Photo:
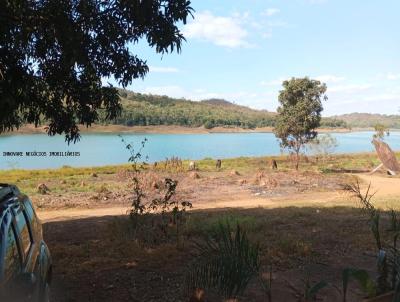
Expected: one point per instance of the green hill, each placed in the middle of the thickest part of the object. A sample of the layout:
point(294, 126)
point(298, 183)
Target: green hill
point(146, 109)
point(367, 120)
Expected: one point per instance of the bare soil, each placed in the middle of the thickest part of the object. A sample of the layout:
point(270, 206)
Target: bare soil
point(207, 190)
point(304, 222)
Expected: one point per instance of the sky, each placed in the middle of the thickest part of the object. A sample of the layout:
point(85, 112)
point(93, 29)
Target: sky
point(242, 50)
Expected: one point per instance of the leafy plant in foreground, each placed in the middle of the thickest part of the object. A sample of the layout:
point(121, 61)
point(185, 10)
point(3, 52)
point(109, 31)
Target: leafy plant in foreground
point(366, 283)
point(365, 200)
point(226, 262)
point(309, 291)
point(169, 205)
point(138, 194)
point(388, 258)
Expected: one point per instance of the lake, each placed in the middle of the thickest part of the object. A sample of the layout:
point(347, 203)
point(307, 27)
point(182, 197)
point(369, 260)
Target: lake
point(107, 149)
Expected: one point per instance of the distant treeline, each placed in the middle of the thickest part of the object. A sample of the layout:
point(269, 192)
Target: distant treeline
point(145, 110)
point(367, 120)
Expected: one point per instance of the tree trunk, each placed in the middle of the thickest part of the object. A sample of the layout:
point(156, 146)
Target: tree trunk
point(297, 159)
point(298, 147)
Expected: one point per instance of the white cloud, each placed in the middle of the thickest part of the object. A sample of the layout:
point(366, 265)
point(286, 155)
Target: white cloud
point(328, 78)
point(344, 96)
point(276, 82)
point(393, 77)
point(163, 69)
point(222, 31)
point(267, 34)
point(277, 24)
point(270, 12)
point(383, 97)
point(349, 88)
point(173, 91)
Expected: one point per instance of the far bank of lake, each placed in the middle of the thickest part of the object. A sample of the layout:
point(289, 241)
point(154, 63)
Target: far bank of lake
point(99, 149)
point(169, 129)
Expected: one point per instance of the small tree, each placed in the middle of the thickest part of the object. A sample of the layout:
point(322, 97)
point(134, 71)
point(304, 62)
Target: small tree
point(323, 145)
point(380, 131)
point(299, 113)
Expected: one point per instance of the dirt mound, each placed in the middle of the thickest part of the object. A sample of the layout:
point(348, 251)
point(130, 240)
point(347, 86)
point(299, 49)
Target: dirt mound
point(262, 179)
point(234, 173)
point(42, 189)
point(194, 175)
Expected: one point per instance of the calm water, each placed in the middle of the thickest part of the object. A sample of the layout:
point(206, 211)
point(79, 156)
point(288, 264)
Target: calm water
point(105, 149)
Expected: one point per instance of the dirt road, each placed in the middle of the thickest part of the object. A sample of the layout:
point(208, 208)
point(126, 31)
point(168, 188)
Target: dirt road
point(385, 187)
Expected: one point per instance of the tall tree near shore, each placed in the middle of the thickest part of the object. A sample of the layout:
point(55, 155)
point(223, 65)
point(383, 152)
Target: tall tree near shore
point(299, 113)
point(54, 55)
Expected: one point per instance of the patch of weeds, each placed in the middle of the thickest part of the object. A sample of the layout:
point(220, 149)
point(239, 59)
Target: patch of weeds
point(289, 246)
point(203, 225)
point(225, 262)
point(103, 189)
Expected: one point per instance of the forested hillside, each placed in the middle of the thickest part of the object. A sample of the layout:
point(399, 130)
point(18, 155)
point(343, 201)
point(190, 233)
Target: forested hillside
point(366, 120)
point(145, 110)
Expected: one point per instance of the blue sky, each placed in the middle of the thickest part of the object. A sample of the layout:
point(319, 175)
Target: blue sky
point(241, 50)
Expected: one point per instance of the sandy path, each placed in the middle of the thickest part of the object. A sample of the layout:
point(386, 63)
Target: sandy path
point(234, 201)
point(71, 214)
point(384, 186)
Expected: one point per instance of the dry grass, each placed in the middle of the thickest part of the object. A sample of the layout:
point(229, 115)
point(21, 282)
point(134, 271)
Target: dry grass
point(29, 179)
point(293, 240)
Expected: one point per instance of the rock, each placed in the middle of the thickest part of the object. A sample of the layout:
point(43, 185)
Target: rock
point(260, 174)
point(43, 188)
point(194, 175)
point(130, 265)
point(272, 182)
point(234, 172)
point(242, 182)
point(198, 295)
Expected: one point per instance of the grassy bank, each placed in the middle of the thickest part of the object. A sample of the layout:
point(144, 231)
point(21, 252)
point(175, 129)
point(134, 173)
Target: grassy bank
point(29, 179)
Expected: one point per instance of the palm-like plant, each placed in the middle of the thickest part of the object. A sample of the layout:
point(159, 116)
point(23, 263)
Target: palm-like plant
point(226, 262)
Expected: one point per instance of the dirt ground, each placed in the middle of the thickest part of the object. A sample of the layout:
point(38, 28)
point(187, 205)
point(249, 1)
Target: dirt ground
point(203, 189)
point(304, 221)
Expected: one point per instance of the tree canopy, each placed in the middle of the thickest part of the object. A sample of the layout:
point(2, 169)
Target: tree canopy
point(299, 113)
point(145, 110)
point(55, 53)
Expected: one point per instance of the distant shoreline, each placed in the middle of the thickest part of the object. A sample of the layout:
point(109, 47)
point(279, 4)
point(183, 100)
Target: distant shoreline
point(30, 129)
